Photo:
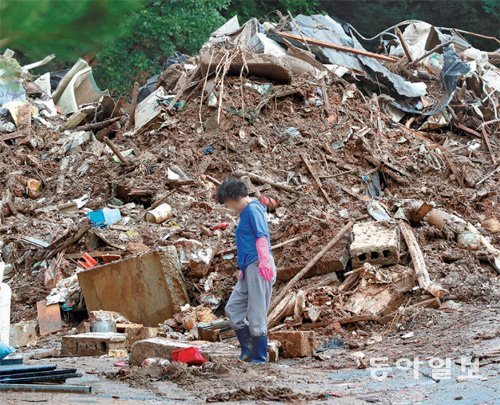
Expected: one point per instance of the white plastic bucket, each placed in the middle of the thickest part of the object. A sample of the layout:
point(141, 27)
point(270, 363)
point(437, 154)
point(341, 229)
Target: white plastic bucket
point(160, 214)
point(5, 296)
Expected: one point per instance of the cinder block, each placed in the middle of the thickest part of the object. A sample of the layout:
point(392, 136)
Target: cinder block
point(295, 343)
point(374, 243)
point(93, 343)
point(22, 333)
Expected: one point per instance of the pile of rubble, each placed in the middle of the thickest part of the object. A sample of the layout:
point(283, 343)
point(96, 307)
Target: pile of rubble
point(384, 167)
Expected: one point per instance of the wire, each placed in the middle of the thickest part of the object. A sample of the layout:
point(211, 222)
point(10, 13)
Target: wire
point(406, 22)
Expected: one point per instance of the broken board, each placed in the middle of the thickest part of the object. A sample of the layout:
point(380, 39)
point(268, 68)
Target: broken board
point(49, 317)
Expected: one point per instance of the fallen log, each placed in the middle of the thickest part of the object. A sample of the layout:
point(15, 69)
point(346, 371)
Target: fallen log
point(256, 177)
point(419, 266)
point(341, 48)
point(309, 265)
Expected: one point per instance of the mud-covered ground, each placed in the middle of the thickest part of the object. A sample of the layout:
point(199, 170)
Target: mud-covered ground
point(459, 332)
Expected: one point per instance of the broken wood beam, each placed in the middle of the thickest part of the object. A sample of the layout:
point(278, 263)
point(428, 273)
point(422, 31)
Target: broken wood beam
point(404, 45)
point(135, 94)
point(357, 318)
point(97, 125)
point(309, 265)
point(330, 45)
point(316, 178)
point(468, 130)
point(12, 135)
point(487, 176)
point(62, 174)
point(435, 49)
point(419, 266)
point(260, 179)
point(486, 138)
point(115, 150)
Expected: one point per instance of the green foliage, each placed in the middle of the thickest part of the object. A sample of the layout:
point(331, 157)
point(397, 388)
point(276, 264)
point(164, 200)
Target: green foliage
point(68, 28)
point(246, 9)
point(156, 31)
point(492, 7)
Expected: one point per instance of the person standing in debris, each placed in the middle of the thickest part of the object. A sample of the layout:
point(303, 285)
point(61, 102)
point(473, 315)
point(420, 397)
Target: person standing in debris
point(248, 304)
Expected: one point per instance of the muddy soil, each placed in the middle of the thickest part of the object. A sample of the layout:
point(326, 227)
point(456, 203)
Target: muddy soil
point(340, 373)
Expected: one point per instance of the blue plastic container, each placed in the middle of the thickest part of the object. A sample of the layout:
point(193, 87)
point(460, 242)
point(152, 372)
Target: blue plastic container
point(104, 217)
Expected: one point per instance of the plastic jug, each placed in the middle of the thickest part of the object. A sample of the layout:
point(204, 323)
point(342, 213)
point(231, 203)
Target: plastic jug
point(5, 296)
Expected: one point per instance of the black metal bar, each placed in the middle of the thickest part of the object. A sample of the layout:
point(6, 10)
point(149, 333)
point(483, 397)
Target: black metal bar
point(39, 373)
point(25, 368)
point(74, 389)
point(46, 378)
point(13, 360)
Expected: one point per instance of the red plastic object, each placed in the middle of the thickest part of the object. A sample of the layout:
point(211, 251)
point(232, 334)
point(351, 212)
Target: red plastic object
point(191, 356)
point(221, 226)
point(88, 261)
point(269, 202)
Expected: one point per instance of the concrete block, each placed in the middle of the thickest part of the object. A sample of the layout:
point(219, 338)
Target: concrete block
point(93, 343)
point(22, 333)
point(147, 289)
point(156, 347)
point(295, 343)
point(136, 332)
point(374, 243)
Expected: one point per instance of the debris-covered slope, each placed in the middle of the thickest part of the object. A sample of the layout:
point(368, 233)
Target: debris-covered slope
point(323, 149)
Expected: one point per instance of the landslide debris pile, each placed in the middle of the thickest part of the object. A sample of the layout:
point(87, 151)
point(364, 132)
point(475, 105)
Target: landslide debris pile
point(321, 135)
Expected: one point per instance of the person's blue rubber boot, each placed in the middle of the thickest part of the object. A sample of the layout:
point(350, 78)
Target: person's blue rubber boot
point(243, 336)
point(259, 350)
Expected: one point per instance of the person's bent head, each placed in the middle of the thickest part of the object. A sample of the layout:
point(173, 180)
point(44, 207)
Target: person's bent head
point(233, 193)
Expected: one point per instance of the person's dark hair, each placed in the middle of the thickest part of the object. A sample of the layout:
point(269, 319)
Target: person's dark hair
point(231, 189)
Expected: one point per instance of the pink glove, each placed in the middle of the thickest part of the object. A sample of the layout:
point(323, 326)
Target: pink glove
point(266, 271)
point(240, 275)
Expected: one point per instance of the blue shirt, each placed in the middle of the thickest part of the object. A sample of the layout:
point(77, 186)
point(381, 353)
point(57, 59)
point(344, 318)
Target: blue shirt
point(252, 226)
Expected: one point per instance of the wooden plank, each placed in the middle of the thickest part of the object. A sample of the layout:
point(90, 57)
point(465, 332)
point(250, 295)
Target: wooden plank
point(404, 45)
point(309, 265)
point(316, 178)
point(49, 317)
point(418, 262)
point(260, 179)
point(486, 138)
point(12, 135)
point(336, 47)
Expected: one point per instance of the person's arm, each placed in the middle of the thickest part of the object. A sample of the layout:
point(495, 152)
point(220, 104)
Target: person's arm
point(265, 269)
point(259, 226)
